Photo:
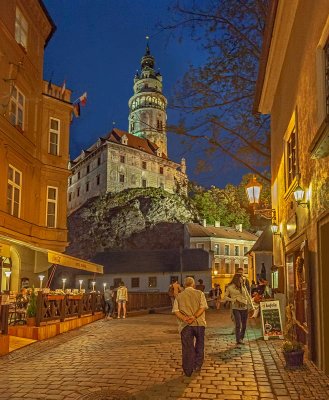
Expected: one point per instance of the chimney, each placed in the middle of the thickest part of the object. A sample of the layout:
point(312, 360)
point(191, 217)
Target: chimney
point(204, 223)
point(238, 227)
point(217, 224)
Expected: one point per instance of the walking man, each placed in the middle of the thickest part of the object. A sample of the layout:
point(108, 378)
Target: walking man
point(109, 303)
point(189, 308)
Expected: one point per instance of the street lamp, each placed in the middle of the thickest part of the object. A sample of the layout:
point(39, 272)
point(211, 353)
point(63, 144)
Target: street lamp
point(299, 195)
point(7, 273)
point(41, 277)
point(80, 284)
point(93, 283)
point(275, 229)
point(104, 284)
point(253, 189)
point(64, 280)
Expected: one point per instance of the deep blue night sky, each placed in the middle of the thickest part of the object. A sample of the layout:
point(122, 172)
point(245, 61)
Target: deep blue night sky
point(97, 48)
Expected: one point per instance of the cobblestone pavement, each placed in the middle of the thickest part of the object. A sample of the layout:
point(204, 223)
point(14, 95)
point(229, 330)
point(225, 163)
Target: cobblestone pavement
point(139, 358)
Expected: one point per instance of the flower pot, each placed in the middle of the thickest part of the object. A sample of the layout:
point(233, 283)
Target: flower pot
point(294, 359)
point(30, 321)
point(55, 297)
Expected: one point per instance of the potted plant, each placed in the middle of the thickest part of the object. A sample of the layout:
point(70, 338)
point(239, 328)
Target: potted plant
point(293, 350)
point(31, 310)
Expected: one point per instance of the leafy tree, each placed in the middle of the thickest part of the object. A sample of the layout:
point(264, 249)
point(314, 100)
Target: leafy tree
point(215, 99)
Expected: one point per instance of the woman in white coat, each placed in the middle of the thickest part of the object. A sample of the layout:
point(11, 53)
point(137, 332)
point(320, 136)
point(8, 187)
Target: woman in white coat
point(238, 295)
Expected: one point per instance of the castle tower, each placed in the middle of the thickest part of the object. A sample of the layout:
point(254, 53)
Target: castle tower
point(147, 107)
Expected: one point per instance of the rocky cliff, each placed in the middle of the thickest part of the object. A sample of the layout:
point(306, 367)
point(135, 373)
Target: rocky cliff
point(133, 219)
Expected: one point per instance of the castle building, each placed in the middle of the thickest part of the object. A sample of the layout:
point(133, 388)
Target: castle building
point(135, 159)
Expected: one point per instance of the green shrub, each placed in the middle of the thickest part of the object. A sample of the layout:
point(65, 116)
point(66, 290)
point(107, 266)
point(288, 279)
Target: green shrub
point(290, 346)
point(32, 306)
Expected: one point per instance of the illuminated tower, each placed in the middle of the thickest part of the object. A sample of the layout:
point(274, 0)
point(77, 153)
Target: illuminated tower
point(147, 107)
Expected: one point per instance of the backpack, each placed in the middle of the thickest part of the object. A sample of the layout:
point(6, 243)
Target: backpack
point(171, 291)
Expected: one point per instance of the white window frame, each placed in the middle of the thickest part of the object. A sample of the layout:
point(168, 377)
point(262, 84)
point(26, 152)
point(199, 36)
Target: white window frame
point(58, 135)
point(21, 28)
point(15, 107)
point(51, 201)
point(17, 186)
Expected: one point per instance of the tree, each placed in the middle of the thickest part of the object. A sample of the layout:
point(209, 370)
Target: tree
point(221, 205)
point(215, 99)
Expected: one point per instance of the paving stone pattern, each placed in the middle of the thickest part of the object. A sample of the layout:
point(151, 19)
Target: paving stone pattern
point(139, 358)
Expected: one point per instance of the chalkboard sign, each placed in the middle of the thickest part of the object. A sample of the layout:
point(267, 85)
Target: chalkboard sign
point(271, 319)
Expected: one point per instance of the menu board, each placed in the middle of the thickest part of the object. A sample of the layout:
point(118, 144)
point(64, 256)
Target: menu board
point(271, 319)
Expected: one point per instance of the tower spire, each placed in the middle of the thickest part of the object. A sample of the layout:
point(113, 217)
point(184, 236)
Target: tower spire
point(147, 107)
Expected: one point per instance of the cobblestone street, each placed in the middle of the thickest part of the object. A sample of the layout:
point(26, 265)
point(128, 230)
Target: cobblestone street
point(140, 358)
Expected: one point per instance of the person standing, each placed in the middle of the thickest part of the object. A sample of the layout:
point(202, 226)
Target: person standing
point(238, 295)
point(122, 299)
point(245, 279)
point(109, 303)
point(189, 308)
point(200, 286)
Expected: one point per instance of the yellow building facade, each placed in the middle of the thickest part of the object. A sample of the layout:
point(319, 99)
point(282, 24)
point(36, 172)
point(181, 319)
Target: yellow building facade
point(34, 147)
point(293, 86)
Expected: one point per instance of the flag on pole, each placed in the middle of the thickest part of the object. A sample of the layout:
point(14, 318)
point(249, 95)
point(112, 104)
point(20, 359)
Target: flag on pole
point(83, 99)
point(63, 88)
point(76, 110)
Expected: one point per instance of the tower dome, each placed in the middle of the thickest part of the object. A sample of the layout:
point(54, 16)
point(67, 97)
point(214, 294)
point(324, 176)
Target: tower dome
point(147, 106)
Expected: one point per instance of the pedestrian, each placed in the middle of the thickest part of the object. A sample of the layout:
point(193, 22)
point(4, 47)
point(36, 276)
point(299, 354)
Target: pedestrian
point(239, 297)
point(200, 286)
point(215, 295)
point(189, 308)
point(109, 302)
point(122, 299)
point(174, 289)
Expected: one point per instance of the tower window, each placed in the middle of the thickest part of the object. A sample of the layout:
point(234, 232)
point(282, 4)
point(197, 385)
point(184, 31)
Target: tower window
point(98, 179)
point(98, 161)
point(159, 124)
point(161, 170)
point(144, 183)
point(121, 178)
point(87, 187)
point(144, 165)
point(88, 169)
point(78, 192)
point(79, 175)
point(122, 159)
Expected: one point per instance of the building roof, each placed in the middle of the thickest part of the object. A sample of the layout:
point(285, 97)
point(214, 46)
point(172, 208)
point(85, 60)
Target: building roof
point(115, 136)
point(197, 230)
point(144, 261)
point(264, 242)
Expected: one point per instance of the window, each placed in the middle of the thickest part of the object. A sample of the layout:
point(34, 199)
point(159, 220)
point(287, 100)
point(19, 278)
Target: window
point(216, 249)
point(79, 175)
point(159, 124)
point(245, 269)
point(227, 268)
point(52, 193)
point(116, 282)
point(122, 159)
point(54, 130)
point(98, 161)
point(78, 192)
point(245, 250)
point(144, 164)
point(161, 170)
point(88, 169)
point(152, 282)
point(291, 151)
point(14, 191)
point(70, 197)
point(135, 282)
point(200, 246)
point(236, 267)
point(132, 126)
point(121, 178)
point(98, 179)
point(16, 108)
point(227, 250)
point(21, 28)
point(87, 187)
point(144, 183)
point(236, 250)
point(70, 180)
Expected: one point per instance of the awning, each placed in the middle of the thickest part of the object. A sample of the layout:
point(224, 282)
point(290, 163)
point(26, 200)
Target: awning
point(72, 262)
point(4, 250)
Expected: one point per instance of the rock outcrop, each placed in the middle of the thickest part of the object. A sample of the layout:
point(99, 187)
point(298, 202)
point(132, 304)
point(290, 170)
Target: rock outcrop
point(133, 219)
